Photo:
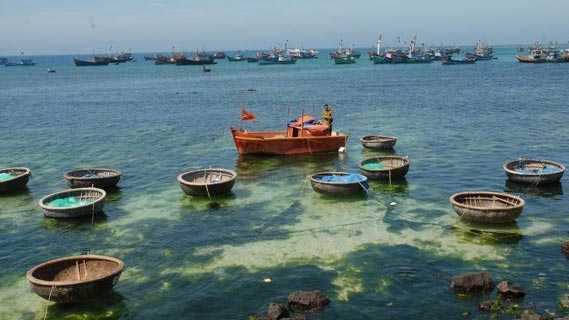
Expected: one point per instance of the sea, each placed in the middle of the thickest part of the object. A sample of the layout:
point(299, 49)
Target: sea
point(387, 254)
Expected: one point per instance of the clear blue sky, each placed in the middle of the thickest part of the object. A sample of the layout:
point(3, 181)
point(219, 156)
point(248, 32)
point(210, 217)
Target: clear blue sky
point(81, 27)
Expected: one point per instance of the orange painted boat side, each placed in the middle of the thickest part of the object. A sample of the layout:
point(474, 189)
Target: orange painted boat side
point(289, 142)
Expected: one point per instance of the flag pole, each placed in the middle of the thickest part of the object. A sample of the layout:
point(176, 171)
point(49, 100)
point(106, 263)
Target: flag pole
point(241, 117)
point(302, 123)
point(287, 118)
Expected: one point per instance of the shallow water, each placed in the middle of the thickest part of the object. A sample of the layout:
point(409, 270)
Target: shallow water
point(188, 259)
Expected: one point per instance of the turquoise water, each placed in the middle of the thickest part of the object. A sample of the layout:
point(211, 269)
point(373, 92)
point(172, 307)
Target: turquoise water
point(186, 259)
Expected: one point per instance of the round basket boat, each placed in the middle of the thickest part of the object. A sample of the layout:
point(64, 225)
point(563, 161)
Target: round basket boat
point(378, 142)
point(73, 203)
point(14, 178)
point(103, 178)
point(338, 183)
point(487, 206)
point(75, 278)
point(534, 171)
point(385, 167)
point(207, 182)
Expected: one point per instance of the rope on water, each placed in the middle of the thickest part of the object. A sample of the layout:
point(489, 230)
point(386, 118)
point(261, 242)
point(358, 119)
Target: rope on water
point(47, 303)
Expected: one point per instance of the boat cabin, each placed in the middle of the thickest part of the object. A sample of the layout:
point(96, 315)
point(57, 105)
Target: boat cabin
point(307, 126)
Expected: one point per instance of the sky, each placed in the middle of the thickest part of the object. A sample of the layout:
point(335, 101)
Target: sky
point(42, 27)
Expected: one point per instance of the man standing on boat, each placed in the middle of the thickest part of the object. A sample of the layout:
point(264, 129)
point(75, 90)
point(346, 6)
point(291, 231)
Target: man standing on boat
point(327, 116)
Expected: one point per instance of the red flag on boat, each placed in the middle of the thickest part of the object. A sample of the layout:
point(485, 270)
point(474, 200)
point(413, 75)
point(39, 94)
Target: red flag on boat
point(246, 115)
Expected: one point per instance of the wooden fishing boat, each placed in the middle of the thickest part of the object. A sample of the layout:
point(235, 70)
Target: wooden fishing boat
point(237, 57)
point(14, 178)
point(207, 182)
point(482, 52)
point(75, 278)
point(338, 183)
point(487, 206)
point(534, 171)
point(536, 55)
point(160, 59)
point(450, 61)
point(385, 167)
point(344, 59)
point(103, 178)
point(73, 203)
point(276, 59)
point(218, 55)
point(303, 135)
point(92, 62)
point(378, 142)
point(199, 58)
point(23, 62)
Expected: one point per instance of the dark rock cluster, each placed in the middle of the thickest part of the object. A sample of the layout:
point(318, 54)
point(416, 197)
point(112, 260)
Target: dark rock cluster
point(505, 304)
point(297, 302)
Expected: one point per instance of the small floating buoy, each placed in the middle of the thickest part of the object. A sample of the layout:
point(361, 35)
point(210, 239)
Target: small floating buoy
point(393, 203)
point(267, 280)
point(342, 150)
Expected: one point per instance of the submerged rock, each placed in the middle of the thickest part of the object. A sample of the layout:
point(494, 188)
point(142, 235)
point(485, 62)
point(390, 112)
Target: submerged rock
point(472, 282)
point(277, 311)
point(307, 300)
point(489, 305)
point(508, 289)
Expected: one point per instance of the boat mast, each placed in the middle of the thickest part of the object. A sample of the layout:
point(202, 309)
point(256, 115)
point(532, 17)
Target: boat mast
point(379, 44)
point(412, 47)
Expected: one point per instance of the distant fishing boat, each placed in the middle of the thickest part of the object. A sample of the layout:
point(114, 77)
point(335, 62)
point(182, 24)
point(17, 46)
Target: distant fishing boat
point(535, 55)
point(23, 62)
point(297, 53)
point(344, 54)
point(197, 59)
point(450, 61)
point(92, 62)
point(277, 57)
point(219, 55)
point(344, 59)
point(558, 56)
point(482, 51)
point(237, 57)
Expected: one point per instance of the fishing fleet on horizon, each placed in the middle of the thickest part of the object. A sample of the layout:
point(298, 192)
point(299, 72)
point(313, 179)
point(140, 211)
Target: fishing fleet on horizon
point(398, 53)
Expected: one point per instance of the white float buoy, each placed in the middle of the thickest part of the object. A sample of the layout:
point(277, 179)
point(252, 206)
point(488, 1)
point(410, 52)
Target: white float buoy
point(342, 150)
